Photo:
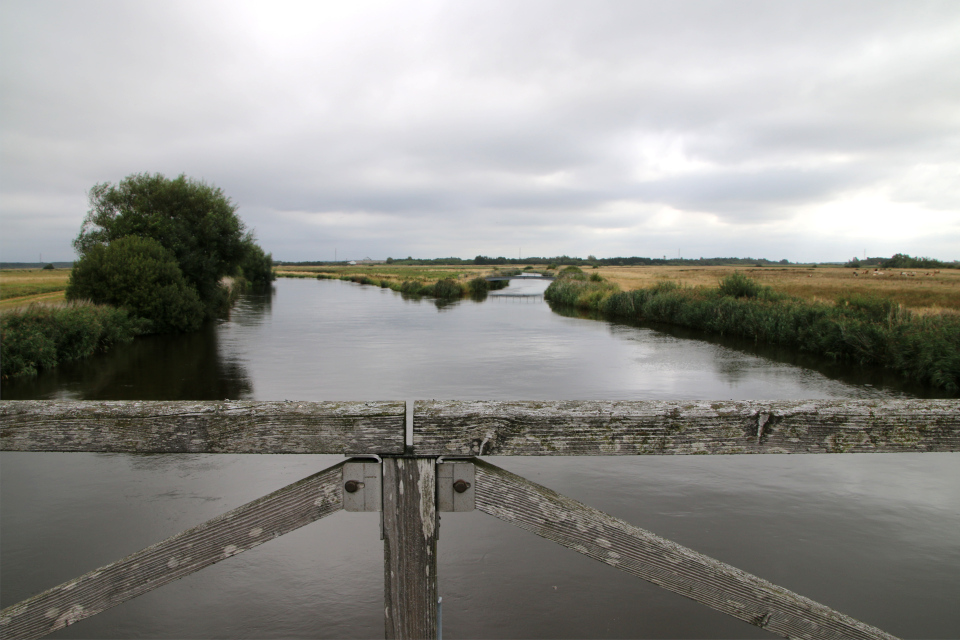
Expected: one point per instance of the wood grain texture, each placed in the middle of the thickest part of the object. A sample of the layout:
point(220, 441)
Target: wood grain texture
point(202, 427)
point(686, 427)
point(225, 536)
point(664, 563)
point(409, 548)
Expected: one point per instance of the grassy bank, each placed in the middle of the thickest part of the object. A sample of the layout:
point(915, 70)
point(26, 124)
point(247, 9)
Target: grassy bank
point(442, 283)
point(856, 328)
point(40, 331)
point(40, 337)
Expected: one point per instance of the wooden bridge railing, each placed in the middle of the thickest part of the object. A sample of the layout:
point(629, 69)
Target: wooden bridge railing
point(408, 488)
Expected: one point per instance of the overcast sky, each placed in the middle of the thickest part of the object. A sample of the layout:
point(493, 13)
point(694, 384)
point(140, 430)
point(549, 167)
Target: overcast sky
point(799, 130)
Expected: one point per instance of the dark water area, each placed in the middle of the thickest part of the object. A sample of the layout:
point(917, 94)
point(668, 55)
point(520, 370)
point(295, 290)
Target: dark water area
point(873, 536)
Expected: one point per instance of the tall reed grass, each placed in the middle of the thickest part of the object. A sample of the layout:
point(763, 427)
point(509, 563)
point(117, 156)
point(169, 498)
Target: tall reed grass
point(858, 329)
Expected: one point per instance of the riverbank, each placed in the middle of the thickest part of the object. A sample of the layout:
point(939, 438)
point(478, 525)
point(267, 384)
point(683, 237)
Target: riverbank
point(855, 328)
point(445, 283)
point(41, 337)
point(47, 331)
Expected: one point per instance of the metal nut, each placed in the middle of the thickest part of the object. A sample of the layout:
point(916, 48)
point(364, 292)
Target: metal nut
point(460, 486)
point(352, 486)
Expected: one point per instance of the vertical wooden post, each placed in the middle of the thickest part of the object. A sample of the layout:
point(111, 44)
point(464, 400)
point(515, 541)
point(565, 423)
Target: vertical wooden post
point(410, 547)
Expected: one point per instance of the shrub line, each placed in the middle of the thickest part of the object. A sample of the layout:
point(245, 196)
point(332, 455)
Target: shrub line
point(859, 329)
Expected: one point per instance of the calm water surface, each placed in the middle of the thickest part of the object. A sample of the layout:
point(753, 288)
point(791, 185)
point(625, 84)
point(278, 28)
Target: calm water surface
point(872, 536)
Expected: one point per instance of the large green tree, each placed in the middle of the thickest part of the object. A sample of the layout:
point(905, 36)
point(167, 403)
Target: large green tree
point(139, 275)
point(195, 221)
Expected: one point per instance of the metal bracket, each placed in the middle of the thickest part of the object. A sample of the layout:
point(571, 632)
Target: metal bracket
point(455, 486)
point(362, 486)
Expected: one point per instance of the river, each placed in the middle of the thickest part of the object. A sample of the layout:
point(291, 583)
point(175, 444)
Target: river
point(873, 536)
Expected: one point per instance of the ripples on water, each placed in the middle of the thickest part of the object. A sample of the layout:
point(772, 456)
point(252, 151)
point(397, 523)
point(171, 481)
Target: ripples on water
point(873, 536)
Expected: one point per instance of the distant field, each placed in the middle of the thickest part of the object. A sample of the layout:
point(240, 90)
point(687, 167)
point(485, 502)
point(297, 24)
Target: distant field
point(937, 291)
point(399, 273)
point(20, 287)
point(924, 292)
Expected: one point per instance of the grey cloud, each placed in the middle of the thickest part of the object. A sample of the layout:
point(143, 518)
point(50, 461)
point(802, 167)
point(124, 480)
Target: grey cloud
point(460, 120)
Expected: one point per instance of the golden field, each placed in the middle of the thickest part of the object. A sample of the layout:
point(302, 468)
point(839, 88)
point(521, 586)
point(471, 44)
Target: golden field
point(922, 292)
point(19, 287)
point(926, 291)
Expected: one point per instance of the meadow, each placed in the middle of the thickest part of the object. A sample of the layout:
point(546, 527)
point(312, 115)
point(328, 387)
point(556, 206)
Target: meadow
point(20, 287)
point(925, 292)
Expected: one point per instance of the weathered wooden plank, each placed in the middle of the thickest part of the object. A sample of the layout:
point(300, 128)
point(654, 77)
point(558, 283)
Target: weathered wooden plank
point(685, 427)
point(203, 427)
point(666, 564)
point(409, 548)
point(227, 535)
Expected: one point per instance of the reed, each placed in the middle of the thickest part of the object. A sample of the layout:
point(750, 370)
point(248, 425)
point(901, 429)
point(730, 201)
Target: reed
point(861, 329)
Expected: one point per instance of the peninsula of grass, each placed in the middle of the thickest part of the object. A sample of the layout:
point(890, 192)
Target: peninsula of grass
point(853, 328)
point(448, 283)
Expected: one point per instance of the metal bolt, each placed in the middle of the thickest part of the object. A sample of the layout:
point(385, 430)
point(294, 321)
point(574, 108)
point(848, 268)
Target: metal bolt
point(352, 486)
point(460, 486)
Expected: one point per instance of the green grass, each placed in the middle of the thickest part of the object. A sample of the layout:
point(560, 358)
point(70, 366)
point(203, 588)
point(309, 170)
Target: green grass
point(445, 288)
point(858, 329)
point(40, 337)
point(22, 290)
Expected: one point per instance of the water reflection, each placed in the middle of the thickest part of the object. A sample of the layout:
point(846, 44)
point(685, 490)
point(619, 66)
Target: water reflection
point(252, 308)
point(873, 536)
point(164, 367)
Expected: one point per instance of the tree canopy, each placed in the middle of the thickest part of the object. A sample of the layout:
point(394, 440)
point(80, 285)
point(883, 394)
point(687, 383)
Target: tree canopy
point(194, 223)
point(140, 275)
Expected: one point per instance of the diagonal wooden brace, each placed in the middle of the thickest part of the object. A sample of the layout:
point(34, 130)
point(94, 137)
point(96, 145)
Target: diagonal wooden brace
point(666, 564)
point(245, 527)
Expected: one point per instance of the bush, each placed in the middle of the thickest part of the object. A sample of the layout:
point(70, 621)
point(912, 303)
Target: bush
point(572, 273)
point(40, 337)
point(411, 287)
point(48, 267)
point(141, 276)
point(738, 285)
point(256, 267)
point(478, 285)
point(447, 289)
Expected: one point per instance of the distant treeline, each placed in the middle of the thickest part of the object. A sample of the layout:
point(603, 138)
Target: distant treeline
point(34, 265)
point(901, 261)
point(562, 261)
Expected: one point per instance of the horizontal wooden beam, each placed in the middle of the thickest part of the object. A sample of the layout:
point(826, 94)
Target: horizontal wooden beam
point(225, 536)
point(202, 427)
point(666, 564)
point(684, 427)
